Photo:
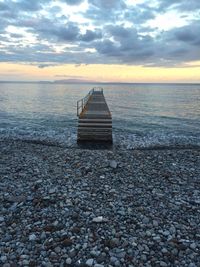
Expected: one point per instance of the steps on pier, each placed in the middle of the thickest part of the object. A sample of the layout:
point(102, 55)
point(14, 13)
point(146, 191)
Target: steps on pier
point(95, 121)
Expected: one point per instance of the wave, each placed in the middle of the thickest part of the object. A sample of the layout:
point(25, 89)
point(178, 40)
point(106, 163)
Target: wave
point(121, 139)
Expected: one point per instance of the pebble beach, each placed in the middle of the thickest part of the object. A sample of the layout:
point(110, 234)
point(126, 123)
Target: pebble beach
point(90, 207)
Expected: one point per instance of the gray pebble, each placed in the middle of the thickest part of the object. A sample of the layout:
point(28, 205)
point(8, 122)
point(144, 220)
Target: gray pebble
point(90, 262)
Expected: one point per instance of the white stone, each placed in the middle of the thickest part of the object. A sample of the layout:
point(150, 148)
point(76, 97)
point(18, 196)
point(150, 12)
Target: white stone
point(32, 237)
point(99, 219)
point(134, 244)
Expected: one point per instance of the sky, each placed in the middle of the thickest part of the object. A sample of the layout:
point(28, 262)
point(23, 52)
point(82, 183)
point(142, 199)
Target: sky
point(100, 40)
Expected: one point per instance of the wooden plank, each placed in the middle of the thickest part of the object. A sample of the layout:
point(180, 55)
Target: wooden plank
point(95, 124)
point(95, 120)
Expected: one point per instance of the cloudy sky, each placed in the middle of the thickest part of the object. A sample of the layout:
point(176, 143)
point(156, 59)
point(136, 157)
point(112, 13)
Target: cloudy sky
point(100, 40)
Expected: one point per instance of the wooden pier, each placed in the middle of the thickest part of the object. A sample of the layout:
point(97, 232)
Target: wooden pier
point(95, 120)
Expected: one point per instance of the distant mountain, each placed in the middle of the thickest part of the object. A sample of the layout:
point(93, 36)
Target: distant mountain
point(75, 81)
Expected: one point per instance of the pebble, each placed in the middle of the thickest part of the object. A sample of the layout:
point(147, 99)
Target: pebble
point(166, 233)
point(164, 250)
point(68, 261)
point(99, 219)
point(113, 164)
point(163, 264)
point(1, 219)
point(32, 237)
point(90, 262)
point(3, 259)
point(83, 212)
point(148, 233)
point(193, 246)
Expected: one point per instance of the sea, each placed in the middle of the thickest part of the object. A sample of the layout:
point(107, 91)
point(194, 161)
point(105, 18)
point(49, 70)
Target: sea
point(145, 116)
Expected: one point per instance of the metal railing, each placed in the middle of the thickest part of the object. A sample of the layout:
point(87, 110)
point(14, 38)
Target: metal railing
point(82, 102)
point(100, 89)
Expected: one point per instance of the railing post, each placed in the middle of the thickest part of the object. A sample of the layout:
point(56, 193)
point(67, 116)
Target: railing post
point(82, 102)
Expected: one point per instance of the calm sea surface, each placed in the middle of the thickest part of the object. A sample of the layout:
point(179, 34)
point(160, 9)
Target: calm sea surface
point(144, 115)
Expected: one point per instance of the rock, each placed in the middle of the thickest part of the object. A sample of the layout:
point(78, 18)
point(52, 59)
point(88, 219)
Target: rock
point(43, 235)
point(166, 233)
point(111, 243)
point(57, 249)
point(155, 223)
point(172, 230)
point(25, 262)
point(164, 250)
point(193, 246)
point(95, 253)
point(32, 237)
point(148, 233)
point(92, 216)
point(99, 219)
point(145, 220)
point(134, 244)
point(113, 164)
point(52, 191)
point(90, 262)
point(156, 238)
point(163, 264)
point(72, 253)
point(113, 259)
point(67, 242)
point(68, 261)
point(3, 259)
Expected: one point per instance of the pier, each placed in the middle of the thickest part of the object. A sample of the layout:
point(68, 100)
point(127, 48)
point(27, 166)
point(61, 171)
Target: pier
point(94, 118)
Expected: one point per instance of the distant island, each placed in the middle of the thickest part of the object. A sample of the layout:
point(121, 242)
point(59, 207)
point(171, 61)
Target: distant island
point(67, 81)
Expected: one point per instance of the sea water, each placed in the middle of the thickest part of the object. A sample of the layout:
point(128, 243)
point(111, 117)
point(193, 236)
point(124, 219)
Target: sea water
point(144, 115)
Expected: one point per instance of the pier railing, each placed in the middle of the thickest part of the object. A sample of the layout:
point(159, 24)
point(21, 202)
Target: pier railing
point(82, 102)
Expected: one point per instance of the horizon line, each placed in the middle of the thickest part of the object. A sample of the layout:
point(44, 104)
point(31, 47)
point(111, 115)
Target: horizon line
point(94, 82)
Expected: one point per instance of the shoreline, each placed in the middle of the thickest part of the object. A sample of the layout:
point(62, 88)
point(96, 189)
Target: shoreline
point(101, 146)
point(77, 207)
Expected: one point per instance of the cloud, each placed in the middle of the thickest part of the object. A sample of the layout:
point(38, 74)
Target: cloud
point(140, 14)
point(73, 2)
point(189, 33)
point(104, 11)
point(27, 5)
point(4, 6)
point(16, 35)
point(91, 36)
point(182, 5)
point(109, 32)
point(108, 4)
point(68, 32)
point(55, 30)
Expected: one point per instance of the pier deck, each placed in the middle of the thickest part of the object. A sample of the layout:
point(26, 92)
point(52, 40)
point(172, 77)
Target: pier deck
point(95, 120)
